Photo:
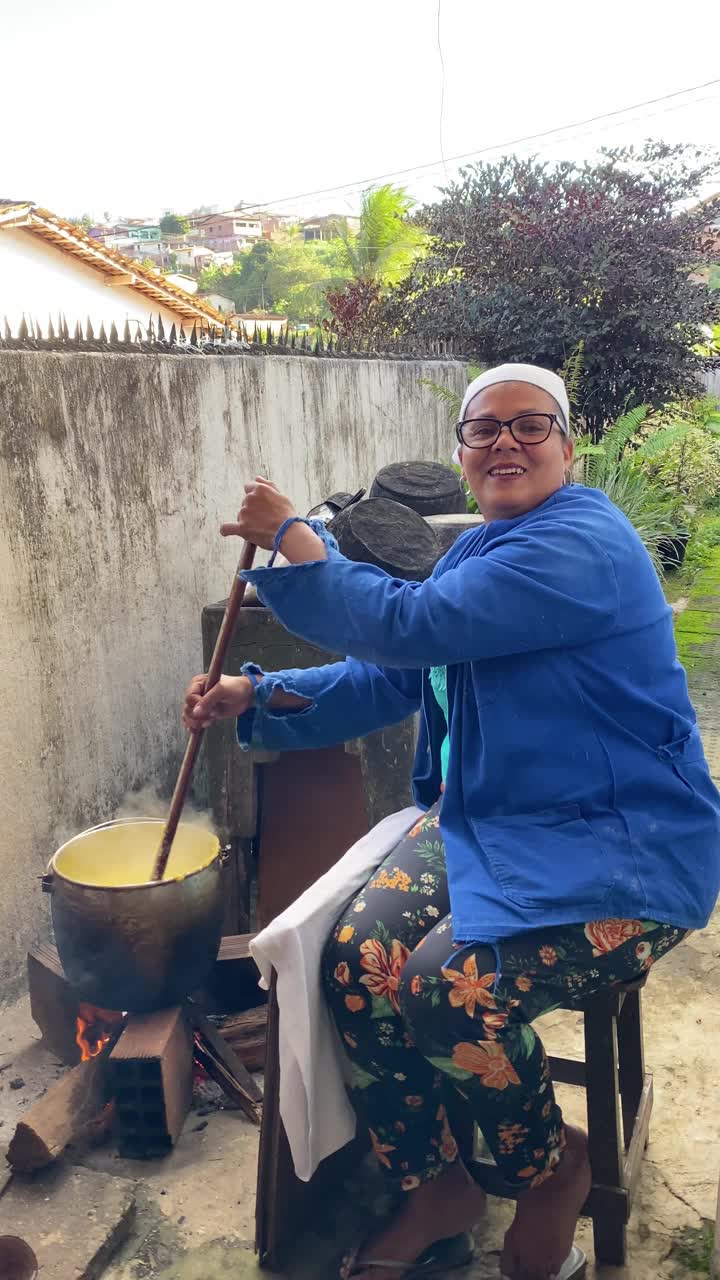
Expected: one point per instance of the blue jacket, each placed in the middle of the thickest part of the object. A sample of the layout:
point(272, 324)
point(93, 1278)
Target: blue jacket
point(577, 787)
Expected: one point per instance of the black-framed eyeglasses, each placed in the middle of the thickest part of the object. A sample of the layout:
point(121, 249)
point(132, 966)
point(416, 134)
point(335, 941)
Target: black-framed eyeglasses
point(525, 428)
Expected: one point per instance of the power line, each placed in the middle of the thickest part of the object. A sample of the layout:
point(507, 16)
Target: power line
point(442, 86)
point(587, 133)
point(616, 124)
point(360, 183)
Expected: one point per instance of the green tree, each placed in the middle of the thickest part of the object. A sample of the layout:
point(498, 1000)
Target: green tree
point(525, 260)
point(84, 222)
point(381, 254)
point(174, 224)
point(289, 276)
point(387, 242)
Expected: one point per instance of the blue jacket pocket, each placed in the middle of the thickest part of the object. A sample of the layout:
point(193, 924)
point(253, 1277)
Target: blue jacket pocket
point(687, 758)
point(540, 859)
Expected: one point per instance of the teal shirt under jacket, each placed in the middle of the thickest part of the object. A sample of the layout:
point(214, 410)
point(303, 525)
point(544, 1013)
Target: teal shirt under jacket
point(577, 787)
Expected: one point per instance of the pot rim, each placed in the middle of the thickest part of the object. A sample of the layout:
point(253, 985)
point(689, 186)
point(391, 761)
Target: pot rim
point(124, 888)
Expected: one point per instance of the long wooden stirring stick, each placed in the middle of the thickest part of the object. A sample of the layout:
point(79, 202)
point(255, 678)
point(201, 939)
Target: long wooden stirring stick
point(217, 662)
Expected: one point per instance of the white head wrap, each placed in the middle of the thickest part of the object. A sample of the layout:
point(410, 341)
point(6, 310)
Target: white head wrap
point(534, 375)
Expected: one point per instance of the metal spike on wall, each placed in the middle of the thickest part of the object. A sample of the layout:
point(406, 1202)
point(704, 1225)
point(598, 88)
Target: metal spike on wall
point(225, 339)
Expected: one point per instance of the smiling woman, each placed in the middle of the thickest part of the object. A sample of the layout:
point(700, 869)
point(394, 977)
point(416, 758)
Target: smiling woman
point(514, 434)
point(571, 833)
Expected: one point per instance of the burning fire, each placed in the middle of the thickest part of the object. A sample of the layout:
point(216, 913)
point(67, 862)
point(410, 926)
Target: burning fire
point(94, 1029)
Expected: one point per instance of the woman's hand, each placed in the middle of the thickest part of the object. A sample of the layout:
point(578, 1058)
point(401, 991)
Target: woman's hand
point(262, 513)
point(231, 696)
point(263, 510)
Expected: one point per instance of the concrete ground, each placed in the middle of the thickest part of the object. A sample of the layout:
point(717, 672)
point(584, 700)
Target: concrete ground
point(194, 1210)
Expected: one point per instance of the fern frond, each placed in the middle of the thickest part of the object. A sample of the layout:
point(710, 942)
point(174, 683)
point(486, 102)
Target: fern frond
point(451, 398)
point(572, 375)
point(622, 432)
point(661, 440)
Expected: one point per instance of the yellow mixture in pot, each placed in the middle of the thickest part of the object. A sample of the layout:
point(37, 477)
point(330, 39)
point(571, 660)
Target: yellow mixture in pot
point(124, 854)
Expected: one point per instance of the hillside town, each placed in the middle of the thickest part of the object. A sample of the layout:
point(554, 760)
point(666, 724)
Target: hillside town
point(190, 249)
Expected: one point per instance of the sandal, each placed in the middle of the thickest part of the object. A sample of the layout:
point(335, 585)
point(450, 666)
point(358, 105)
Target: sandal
point(573, 1267)
point(445, 1255)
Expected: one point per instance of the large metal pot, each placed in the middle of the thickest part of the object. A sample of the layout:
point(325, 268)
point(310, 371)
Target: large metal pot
point(126, 942)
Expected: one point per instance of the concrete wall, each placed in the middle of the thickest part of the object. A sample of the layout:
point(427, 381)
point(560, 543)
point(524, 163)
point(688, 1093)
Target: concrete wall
point(115, 473)
point(712, 382)
point(39, 281)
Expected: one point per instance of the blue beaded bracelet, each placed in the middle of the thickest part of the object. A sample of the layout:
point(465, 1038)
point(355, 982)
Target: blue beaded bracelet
point(281, 534)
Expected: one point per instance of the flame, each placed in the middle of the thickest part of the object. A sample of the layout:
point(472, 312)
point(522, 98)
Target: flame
point(94, 1029)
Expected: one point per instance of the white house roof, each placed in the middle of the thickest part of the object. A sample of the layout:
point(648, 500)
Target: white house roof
point(71, 240)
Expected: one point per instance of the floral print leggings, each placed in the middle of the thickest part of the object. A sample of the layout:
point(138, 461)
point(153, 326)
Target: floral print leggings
point(417, 1014)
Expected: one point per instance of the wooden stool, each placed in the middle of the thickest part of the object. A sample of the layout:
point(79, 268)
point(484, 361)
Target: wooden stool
point(619, 1096)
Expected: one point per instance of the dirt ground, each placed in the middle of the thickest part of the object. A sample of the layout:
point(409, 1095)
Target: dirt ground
point(194, 1209)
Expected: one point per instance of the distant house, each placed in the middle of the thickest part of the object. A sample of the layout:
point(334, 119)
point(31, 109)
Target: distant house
point(195, 257)
point(220, 303)
point(139, 231)
point(272, 223)
point(187, 283)
point(328, 227)
point(231, 231)
point(157, 251)
point(49, 267)
point(263, 320)
point(222, 258)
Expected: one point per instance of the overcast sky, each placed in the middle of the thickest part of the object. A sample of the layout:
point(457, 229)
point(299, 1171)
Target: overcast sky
point(137, 106)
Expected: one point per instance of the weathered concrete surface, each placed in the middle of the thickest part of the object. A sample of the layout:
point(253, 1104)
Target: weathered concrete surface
point(115, 474)
point(72, 1219)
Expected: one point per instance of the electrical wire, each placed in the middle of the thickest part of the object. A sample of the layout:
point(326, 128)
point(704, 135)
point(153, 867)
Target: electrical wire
point(442, 88)
point(361, 184)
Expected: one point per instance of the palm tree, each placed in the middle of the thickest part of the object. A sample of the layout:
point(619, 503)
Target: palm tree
point(387, 243)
